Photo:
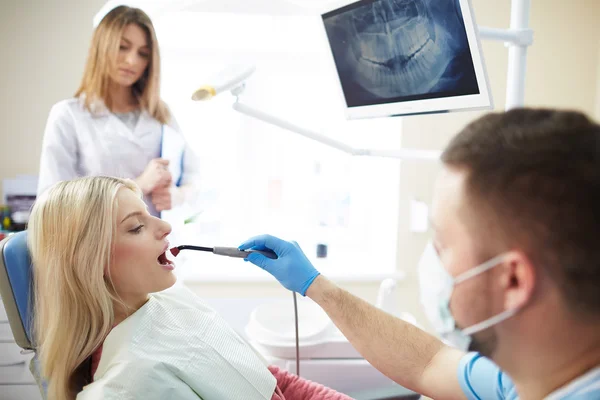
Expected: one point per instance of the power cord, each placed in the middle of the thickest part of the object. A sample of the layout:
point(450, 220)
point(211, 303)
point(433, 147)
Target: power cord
point(297, 338)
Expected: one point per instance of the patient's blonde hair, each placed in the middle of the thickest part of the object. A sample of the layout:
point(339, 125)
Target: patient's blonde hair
point(102, 59)
point(70, 237)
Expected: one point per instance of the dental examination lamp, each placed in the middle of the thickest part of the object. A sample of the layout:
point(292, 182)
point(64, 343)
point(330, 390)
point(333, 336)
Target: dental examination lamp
point(234, 79)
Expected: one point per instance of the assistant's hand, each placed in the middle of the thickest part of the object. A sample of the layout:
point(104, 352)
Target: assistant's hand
point(162, 198)
point(292, 269)
point(155, 175)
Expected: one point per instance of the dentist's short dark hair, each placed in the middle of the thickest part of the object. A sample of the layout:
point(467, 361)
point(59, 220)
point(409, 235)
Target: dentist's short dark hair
point(533, 182)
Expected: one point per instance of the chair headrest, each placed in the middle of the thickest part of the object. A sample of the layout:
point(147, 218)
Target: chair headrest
point(15, 286)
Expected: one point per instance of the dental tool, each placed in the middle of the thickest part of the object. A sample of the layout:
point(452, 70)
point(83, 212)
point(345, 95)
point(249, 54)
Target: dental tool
point(224, 251)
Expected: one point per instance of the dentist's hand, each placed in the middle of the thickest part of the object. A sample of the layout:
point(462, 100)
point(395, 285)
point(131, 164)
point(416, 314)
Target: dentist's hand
point(292, 269)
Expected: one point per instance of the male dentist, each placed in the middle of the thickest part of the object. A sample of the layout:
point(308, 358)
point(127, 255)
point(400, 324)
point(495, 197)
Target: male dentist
point(512, 274)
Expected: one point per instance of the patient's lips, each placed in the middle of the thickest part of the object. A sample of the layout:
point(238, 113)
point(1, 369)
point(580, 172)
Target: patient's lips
point(174, 251)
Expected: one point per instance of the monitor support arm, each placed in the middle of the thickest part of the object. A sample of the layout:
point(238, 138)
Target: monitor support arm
point(517, 39)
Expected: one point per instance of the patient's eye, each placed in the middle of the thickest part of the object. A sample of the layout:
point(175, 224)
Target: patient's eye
point(137, 229)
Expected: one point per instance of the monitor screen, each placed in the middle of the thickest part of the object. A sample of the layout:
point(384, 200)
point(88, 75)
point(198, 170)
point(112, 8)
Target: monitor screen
point(398, 57)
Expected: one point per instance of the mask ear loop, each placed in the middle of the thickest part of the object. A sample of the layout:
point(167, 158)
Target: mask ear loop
point(479, 269)
point(495, 319)
point(490, 322)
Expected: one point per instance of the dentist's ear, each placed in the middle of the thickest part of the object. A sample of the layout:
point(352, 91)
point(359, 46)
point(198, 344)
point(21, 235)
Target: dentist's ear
point(518, 280)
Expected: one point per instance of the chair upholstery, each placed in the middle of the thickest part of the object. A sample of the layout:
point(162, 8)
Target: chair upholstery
point(16, 287)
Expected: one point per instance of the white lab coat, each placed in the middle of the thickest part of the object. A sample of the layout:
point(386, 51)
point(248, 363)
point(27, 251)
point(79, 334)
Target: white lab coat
point(79, 143)
point(176, 347)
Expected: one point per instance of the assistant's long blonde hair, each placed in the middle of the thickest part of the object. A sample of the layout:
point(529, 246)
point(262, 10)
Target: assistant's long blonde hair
point(70, 237)
point(102, 59)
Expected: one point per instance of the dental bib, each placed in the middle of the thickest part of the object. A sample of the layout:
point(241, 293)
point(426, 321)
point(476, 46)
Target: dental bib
point(175, 346)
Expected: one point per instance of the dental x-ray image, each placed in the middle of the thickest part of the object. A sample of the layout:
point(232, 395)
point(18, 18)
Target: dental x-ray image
point(400, 50)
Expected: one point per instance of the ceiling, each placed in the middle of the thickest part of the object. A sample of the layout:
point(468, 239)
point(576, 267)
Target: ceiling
point(261, 7)
point(265, 7)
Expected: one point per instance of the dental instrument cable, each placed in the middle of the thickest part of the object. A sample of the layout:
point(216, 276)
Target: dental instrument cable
point(297, 337)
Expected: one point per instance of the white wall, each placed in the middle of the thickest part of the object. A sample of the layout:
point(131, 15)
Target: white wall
point(43, 47)
point(44, 44)
point(597, 113)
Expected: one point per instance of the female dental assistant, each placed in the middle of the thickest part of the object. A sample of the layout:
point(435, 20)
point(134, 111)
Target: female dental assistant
point(117, 124)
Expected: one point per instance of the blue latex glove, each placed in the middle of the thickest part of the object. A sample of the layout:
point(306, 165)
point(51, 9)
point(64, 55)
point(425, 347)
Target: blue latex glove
point(292, 269)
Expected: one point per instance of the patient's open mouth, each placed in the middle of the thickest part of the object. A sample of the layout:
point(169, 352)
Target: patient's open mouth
point(165, 262)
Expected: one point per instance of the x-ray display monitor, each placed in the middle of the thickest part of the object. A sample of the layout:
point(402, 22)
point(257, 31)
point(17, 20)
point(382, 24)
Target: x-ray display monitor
point(398, 57)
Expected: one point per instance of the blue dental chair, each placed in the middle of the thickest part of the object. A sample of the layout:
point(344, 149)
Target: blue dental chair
point(16, 291)
point(15, 287)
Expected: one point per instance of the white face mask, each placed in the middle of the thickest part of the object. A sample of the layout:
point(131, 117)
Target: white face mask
point(436, 290)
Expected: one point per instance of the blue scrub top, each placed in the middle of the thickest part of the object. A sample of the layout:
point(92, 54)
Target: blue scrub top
point(481, 379)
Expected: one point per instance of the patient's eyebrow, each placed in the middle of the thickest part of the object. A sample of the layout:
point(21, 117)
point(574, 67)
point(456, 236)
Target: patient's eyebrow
point(133, 214)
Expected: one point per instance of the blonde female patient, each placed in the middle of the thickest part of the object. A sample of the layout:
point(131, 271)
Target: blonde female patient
point(108, 322)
